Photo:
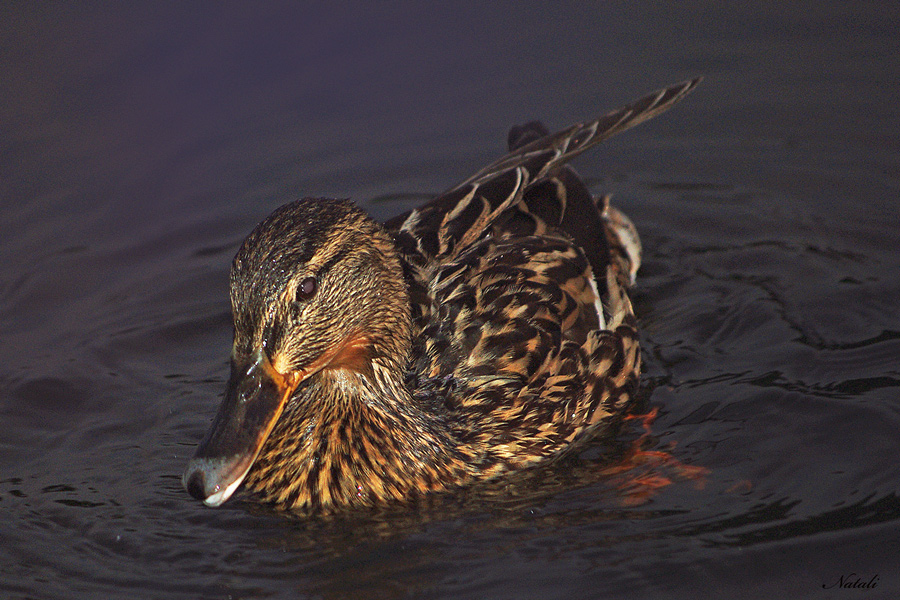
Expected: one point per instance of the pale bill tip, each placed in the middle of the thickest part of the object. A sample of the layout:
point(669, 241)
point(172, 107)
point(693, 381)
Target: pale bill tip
point(223, 494)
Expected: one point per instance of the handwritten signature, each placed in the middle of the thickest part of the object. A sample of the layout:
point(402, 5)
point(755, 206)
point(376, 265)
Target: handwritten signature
point(852, 581)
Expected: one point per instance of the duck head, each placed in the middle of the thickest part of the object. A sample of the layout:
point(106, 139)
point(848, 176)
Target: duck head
point(317, 287)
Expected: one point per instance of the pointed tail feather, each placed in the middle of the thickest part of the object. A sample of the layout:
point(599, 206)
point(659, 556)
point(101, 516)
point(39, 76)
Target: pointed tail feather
point(549, 152)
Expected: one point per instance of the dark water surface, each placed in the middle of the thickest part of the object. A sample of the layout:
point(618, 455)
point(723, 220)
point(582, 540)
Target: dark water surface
point(139, 146)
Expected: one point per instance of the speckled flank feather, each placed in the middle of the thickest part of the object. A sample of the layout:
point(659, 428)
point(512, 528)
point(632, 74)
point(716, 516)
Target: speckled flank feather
point(511, 339)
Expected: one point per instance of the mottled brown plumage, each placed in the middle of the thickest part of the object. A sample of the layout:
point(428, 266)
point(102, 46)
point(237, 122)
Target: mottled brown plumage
point(485, 331)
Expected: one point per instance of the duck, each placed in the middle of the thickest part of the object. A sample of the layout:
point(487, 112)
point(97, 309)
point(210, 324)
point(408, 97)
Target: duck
point(487, 331)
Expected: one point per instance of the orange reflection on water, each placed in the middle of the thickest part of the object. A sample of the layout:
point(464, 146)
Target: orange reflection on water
point(640, 474)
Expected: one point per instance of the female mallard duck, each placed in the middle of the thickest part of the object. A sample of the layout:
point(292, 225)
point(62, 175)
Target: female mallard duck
point(486, 331)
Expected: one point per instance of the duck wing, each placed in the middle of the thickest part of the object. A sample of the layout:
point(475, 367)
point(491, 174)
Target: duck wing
point(520, 351)
point(440, 229)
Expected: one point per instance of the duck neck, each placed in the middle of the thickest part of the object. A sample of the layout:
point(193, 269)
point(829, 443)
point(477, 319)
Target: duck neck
point(355, 438)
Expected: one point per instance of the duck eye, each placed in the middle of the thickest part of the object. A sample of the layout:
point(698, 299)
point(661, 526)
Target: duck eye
point(306, 289)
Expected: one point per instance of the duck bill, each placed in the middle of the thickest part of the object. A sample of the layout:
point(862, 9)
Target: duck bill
point(255, 397)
